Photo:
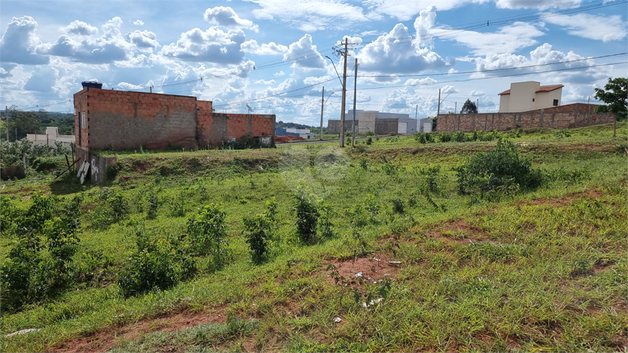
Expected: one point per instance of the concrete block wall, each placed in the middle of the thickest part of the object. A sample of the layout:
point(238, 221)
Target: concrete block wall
point(562, 117)
point(333, 126)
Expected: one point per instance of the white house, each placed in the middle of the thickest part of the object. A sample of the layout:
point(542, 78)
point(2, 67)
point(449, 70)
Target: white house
point(530, 95)
point(51, 136)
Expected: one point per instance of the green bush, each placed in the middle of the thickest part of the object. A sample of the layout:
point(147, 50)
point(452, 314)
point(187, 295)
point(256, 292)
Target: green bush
point(259, 231)
point(444, 136)
point(156, 264)
point(113, 208)
point(307, 218)
point(40, 264)
point(206, 232)
point(369, 140)
point(153, 205)
point(501, 170)
point(42, 164)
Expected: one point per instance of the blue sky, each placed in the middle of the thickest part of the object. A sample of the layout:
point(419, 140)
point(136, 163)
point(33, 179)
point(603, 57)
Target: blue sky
point(271, 54)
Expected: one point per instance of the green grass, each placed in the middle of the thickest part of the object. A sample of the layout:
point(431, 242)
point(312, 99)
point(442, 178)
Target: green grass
point(542, 270)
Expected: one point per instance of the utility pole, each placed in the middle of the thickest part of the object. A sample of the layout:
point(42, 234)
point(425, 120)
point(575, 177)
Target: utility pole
point(455, 107)
point(416, 113)
point(6, 113)
point(345, 53)
point(477, 105)
point(438, 109)
point(355, 95)
point(322, 107)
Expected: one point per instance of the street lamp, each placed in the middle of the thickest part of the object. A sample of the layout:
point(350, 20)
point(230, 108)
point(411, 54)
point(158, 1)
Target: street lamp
point(337, 74)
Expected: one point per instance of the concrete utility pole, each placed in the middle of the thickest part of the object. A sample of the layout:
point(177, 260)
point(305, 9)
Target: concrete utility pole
point(416, 113)
point(6, 113)
point(438, 109)
point(355, 95)
point(477, 105)
point(455, 107)
point(322, 107)
point(345, 53)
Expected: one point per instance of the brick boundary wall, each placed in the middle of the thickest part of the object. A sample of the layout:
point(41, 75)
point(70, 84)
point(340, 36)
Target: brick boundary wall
point(564, 117)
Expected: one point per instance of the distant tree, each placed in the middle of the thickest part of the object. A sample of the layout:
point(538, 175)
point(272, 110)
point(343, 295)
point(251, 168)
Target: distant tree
point(469, 108)
point(614, 95)
point(25, 122)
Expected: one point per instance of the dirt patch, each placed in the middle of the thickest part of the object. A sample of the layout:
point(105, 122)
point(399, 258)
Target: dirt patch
point(458, 231)
point(287, 138)
point(564, 201)
point(373, 268)
point(105, 340)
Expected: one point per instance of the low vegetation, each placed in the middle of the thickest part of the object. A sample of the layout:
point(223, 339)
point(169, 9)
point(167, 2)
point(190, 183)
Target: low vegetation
point(508, 241)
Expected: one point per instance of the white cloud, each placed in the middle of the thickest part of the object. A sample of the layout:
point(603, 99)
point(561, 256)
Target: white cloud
point(304, 54)
point(313, 80)
point(265, 82)
point(19, 44)
point(536, 4)
point(138, 22)
point(80, 28)
point(311, 15)
point(143, 39)
point(128, 86)
point(507, 39)
point(226, 17)
point(395, 52)
point(272, 48)
point(420, 82)
point(213, 45)
point(423, 24)
point(280, 73)
point(604, 28)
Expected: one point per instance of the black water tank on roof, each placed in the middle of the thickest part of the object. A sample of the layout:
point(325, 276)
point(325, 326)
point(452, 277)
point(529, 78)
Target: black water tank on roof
point(91, 84)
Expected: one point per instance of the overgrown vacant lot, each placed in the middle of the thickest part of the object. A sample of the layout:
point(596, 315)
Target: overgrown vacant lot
point(397, 245)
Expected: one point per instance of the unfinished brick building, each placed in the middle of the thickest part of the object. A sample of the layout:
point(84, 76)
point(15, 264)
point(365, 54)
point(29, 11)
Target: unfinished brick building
point(118, 120)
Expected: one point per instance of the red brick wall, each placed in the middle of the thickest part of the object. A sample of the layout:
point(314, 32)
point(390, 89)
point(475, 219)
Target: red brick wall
point(562, 117)
point(127, 120)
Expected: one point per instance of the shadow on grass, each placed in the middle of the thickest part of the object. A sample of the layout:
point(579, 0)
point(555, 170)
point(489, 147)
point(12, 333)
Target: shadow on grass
point(68, 184)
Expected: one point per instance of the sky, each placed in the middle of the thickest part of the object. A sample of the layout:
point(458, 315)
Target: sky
point(276, 56)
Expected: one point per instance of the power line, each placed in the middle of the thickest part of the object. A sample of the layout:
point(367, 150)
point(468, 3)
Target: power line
point(499, 76)
point(500, 69)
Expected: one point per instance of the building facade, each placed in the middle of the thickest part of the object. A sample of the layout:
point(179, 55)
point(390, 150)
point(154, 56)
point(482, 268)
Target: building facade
point(50, 137)
point(118, 120)
point(375, 122)
point(530, 95)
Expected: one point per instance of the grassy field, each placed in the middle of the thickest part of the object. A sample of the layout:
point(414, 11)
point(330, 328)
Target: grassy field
point(411, 264)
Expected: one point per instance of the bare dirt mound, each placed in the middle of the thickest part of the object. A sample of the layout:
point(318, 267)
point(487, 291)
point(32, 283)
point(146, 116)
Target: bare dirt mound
point(375, 267)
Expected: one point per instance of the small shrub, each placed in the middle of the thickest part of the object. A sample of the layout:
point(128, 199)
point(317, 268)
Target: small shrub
point(156, 264)
point(259, 231)
point(153, 205)
point(459, 136)
point(178, 206)
point(206, 232)
point(307, 218)
point(369, 140)
point(444, 137)
point(325, 225)
point(499, 170)
point(43, 164)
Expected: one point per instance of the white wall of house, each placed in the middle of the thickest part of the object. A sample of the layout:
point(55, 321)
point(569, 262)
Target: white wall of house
point(525, 96)
point(50, 137)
